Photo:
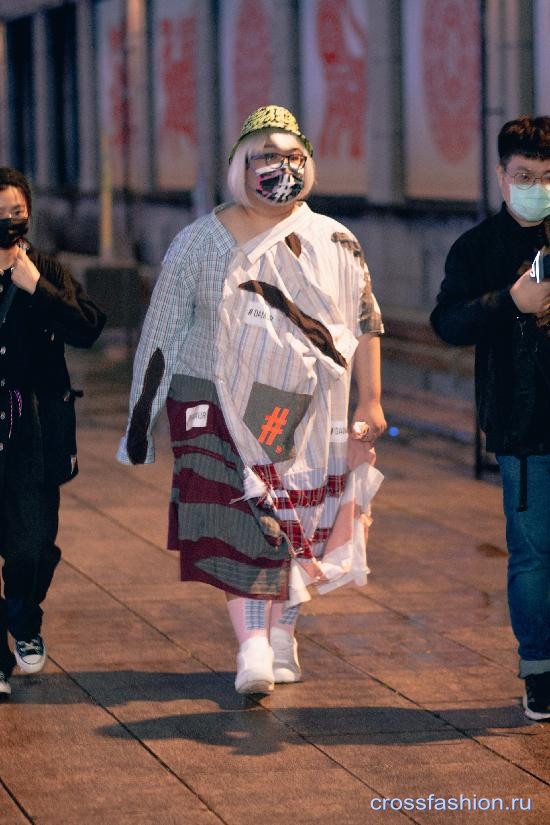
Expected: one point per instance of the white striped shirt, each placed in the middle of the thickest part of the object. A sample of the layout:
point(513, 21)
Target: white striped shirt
point(182, 319)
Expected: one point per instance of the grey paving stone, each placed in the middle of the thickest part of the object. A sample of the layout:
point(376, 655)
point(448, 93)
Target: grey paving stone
point(62, 769)
point(10, 812)
point(306, 797)
point(486, 681)
point(417, 764)
point(337, 689)
point(531, 750)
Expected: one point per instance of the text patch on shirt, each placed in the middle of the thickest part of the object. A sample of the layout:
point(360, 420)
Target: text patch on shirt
point(258, 313)
point(339, 432)
point(196, 416)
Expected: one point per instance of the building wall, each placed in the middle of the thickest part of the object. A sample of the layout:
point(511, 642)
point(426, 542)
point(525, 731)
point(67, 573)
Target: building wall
point(125, 111)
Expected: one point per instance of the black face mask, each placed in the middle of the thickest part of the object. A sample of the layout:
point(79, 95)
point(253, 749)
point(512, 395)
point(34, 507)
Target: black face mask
point(12, 230)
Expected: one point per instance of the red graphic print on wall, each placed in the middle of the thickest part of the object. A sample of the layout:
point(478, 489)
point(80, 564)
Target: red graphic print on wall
point(451, 66)
point(118, 89)
point(178, 72)
point(345, 78)
point(253, 55)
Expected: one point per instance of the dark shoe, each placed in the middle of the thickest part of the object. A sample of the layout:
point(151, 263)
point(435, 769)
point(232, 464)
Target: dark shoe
point(5, 689)
point(536, 700)
point(31, 656)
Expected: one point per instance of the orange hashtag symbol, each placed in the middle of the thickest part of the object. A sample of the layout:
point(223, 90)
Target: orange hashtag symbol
point(273, 426)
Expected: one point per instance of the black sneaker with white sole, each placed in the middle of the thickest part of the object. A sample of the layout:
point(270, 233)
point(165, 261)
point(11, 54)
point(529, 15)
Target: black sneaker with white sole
point(536, 699)
point(5, 688)
point(31, 655)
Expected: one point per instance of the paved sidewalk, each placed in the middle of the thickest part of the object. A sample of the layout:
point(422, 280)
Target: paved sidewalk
point(410, 684)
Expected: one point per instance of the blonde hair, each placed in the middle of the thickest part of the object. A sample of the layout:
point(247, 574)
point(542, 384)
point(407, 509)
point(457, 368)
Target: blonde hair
point(254, 145)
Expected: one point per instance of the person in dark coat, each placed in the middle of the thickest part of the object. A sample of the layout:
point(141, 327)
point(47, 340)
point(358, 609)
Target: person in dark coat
point(490, 298)
point(41, 308)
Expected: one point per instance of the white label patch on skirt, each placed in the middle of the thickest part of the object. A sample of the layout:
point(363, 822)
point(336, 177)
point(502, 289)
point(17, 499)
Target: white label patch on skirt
point(196, 416)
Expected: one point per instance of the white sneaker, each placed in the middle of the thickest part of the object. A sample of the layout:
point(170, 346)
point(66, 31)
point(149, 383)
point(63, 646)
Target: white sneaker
point(31, 656)
point(286, 667)
point(254, 666)
point(5, 687)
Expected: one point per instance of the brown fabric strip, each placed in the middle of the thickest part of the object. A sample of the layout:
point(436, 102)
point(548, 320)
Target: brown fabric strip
point(141, 416)
point(314, 330)
point(351, 244)
point(294, 244)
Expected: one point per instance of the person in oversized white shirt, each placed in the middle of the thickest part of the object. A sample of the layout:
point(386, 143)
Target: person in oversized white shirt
point(260, 310)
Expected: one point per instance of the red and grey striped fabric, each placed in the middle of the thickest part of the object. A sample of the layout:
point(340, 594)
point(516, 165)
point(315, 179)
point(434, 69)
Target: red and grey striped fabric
point(230, 543)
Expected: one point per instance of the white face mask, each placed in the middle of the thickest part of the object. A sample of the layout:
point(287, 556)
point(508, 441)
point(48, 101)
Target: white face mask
point(531, 204)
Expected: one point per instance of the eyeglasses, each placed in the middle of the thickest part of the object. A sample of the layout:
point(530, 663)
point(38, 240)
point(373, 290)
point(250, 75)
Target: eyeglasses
point(525, 180)
point(295, 160)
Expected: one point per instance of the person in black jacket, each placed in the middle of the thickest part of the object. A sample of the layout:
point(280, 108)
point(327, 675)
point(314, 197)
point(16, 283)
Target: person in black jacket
point(41, 308)
point(489, 298)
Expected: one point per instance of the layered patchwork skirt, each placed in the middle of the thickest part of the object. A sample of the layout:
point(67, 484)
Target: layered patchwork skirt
point(223, 539)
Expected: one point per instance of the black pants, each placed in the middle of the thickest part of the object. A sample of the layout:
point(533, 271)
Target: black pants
point(29, 514)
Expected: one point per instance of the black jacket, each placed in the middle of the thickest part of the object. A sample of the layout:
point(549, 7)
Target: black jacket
point(32, 359)
point(38, 326)
point(512, 357)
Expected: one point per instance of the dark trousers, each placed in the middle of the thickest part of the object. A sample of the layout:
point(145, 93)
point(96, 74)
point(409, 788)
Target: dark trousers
point(528, 539)
point(29, 512)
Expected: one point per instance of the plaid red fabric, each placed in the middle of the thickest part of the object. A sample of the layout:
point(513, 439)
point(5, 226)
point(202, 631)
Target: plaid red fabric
point(336, 485)
point(299, 542)
point(311, 498)
point(300, 498)
point(269, 475)
point(289, 499)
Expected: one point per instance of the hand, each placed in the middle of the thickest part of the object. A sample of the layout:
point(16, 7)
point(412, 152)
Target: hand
point(313, 569)
point(25, 275)
point(371, 416)
point(530, 297)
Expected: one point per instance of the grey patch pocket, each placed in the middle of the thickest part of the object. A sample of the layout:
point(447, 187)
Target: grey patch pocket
point(272, 416)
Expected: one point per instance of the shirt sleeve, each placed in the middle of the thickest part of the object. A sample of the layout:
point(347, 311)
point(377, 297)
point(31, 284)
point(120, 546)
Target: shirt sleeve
point(166, 325)
point(370, 316)
point(63, 305)
point(357, 295)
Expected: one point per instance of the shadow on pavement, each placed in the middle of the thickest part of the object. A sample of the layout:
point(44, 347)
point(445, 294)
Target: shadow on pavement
point(244, 725)
point(262, 731)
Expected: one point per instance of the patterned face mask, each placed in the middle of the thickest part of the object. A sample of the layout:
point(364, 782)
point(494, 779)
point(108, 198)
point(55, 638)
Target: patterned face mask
point(278, 184)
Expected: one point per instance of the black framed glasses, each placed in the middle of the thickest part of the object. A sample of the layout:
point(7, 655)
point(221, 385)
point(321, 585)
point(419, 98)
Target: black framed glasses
point(525, 180)
point(295, 160)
